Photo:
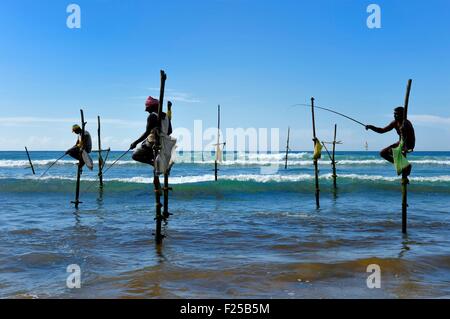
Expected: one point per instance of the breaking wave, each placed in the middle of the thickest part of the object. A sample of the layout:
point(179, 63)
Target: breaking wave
point(251, 161)
point(252, 178)
point(242, 183)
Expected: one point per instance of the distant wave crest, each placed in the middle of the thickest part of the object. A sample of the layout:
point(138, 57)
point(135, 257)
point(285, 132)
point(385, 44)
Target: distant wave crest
point(247, 178)
point(250, 161)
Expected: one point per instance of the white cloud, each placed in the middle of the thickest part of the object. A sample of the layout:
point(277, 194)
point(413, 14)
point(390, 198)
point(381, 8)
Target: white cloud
point(35, 143)
point(426, 119)
point(142, 97)
point(177, 96)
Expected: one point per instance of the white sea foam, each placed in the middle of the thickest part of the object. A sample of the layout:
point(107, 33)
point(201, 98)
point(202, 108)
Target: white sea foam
point(362, 162)
point(274, 157)
point(25, 163)
point(253, 178)
point(430, 162)
point(295, 159)
point(429, 179)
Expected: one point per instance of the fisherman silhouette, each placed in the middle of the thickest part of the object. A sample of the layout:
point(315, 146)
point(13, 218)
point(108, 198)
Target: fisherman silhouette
point(405, 130)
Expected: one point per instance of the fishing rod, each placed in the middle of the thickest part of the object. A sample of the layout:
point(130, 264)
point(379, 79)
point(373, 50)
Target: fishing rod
point(329, 110)
point(329, 154)
point(120, 157)
point(53, 164)
point(103, 174)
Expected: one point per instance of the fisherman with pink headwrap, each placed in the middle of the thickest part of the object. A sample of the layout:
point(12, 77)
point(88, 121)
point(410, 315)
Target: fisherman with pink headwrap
point(144, 153)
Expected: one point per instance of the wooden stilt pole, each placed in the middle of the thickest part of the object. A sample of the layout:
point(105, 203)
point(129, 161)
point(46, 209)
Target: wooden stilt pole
point(166, 213)
point(287, 149)
point(216, 165)
point(157, 185)
point(100, 157)
point(79, 171)
point(333, 158)
point(216, 176)
point(158, 218)
point(29, 160)
point(405, 180)
point(316, 168)
point(404, 206)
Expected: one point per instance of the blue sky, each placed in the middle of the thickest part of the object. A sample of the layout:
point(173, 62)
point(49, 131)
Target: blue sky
point(255, 58)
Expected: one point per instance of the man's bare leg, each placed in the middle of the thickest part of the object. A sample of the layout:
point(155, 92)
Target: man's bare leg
point(388, 156)
point(407, 171)
point(387, 153)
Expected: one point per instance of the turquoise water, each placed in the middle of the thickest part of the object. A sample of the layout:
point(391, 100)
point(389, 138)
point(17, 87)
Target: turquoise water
point(255, 233)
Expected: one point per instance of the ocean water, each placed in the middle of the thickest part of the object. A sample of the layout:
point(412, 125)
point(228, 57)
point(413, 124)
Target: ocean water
point(255, 233)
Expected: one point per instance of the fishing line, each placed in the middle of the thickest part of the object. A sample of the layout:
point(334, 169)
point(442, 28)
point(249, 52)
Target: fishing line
point(329, 155)
point(329, 110)
point(103, 174)
point(106, 158)
point(53, 164)
point(120, 157)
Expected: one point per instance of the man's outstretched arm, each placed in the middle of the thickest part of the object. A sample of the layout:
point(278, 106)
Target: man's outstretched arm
point(380, 130)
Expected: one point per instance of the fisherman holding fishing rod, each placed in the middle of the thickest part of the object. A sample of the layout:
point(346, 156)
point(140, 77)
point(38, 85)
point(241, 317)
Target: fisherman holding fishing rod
point(84, 143)
point(405, 130)
point(144, 153)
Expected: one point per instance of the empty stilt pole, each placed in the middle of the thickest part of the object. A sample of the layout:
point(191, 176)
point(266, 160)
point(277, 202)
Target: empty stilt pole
point(316, 168)
point(405, 180)
point(218, 149)
point(29, 160)
point(333, 158)
point(100, 157)
point(287, 149)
